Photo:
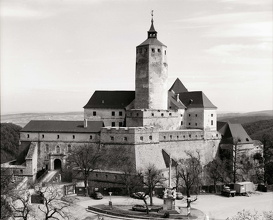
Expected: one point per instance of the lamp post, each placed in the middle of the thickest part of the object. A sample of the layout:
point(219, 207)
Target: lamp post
point(110, 202)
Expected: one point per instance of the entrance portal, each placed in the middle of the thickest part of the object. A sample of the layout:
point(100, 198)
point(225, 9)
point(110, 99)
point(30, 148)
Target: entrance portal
point(57, 164)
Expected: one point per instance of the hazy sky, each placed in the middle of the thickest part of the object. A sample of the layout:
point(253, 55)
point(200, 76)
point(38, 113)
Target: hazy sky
point(56, 53)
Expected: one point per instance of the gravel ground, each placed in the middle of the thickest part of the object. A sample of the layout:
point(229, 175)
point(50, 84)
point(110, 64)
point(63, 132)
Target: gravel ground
point(214, 206)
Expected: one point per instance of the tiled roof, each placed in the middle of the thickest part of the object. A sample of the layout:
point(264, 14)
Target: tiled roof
point(178, 87)
point(195, 99)
point(63, 126)
point(152, 41)
point(231, 132)
point(110, 99)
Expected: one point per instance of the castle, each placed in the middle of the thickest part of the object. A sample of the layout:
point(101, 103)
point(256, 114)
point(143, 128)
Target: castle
point(143, 123)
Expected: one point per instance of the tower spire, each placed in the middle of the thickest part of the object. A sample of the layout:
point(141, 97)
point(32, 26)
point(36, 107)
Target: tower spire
point(152, 32)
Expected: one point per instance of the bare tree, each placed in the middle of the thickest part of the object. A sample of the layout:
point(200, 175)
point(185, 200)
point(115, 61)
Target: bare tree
point(21, 204)
point(54, 207)
point(215, 171)
point(86, 158)
point(142, 196)
point(152, 177)
point(190, 170)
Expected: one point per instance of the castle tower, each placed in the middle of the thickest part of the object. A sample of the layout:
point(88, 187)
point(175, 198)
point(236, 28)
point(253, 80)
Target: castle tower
point(151, 73)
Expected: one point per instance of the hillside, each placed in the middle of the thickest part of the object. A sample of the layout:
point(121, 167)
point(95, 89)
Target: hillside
point(9, 141)
point(243, 118)
point(22, 119)
point(257, 129)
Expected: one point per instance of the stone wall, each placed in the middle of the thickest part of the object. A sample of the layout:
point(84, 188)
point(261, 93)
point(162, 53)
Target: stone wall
point(151, 77)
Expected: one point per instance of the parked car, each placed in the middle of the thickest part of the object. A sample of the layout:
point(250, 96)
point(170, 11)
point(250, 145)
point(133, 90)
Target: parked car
point(179, 196)
point(140, 208)
point(97, 195)
point(226, 191)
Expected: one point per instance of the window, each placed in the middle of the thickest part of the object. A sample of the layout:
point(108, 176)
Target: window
point(106, 176)
point(136, 114)
point(164, 137)
point(112, 138)
point(153, 50)
point(120, 113)
point(97, 175)
point(171, 136)
point(43, 136)
point(195, 124)
point(211, 115)
point(73, 136)
point(150, 137)
point(181, 115)
point(189, 115)
point(58, 136)
point(170, 114)
point(181, 122)
point(28, 136)
point(165, 52)
point(94, 113)
point(247, 139)
point(177, 137)
point(189, 135)
point(211, 122)
point(153, 114)
point(189, 123)
point(91, 137)
point(158, 50)
point(141, 138)
point(69, 148)
point(113, 113)
point(58, 150)
point(113, 124)
point(120, 124)
point(21, 171)
point(125, 139)
point(47, 148)
point(195, 115)
point(162, 114)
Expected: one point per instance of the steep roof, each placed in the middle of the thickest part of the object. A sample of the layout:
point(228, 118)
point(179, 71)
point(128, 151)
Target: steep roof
point(195, 99)
point(151, 41)
point(63, 126)
point(178, 86)
point(110, 99)
point(173, 102)
point(232, 132)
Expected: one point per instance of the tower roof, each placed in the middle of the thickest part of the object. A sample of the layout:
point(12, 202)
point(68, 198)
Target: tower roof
point(152, 36)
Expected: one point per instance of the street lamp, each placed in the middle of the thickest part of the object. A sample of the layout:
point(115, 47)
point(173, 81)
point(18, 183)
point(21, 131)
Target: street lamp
point(110, 202)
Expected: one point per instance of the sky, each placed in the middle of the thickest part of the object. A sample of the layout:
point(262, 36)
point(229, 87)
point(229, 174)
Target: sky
point(56, 53)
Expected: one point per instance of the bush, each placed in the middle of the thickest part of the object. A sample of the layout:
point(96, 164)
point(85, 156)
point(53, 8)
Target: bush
point(166, 215)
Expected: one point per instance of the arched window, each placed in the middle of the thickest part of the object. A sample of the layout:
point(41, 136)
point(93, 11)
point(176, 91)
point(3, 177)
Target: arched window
point(58, 150)
point(69, 148)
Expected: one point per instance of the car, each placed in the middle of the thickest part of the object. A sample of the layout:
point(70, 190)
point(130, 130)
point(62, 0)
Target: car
point(97, 195)
point(140, 208)
point(226, 191)
point(179, 196)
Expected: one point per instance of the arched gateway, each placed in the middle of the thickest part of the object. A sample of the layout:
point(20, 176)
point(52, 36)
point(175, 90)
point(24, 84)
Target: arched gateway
point(57, 164)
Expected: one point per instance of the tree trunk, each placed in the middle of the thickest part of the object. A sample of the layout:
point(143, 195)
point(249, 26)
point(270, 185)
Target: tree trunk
point(188, 192)
point(151, 197)
point(214, 183)
point(147, 208)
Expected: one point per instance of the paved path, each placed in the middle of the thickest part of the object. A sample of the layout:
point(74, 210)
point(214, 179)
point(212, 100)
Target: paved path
point(215, 206)
point(49, 176)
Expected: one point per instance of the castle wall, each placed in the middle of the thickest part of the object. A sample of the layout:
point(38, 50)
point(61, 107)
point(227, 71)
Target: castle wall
point(160, 119)
point(110, 117)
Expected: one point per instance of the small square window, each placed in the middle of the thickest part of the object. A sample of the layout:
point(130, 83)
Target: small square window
point(73, 136)
point(162, 114)
point(189, 115)
point(58, 136)
point(170, 114)
point(120, 113)
point(28, 136)
point(43, 136)
point(164, 137)
point(211, 122)
point(150, 137)
point(195, 115)
point(113, 113)
point(181, 115)
point(125, 139)
point(171, 136)
point(141, 138)
point(211, 115)
point(113, 124)
point(195, 124)
point(189, 135)
point(91, 137)
point(112, 138)
point(94, 113)
point(177, 137)
point(153, 50)
point(153, 114)
point(189, 123)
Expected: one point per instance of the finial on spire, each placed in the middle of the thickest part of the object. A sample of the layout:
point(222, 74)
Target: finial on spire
point(152, 13)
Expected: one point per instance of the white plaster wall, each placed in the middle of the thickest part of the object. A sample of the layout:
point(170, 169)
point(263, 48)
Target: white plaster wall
point(210, 115)
point(105, 115)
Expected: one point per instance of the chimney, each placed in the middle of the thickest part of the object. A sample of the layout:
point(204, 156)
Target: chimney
point(85, 123)
point(177, 97)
